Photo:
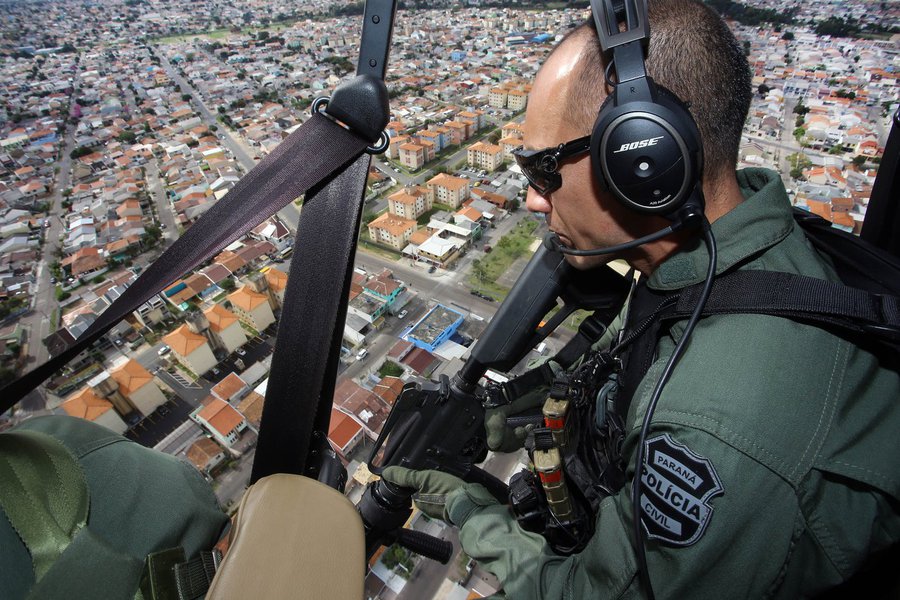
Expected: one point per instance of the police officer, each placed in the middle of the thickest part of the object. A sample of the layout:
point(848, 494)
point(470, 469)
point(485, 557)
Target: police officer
point(772, 465)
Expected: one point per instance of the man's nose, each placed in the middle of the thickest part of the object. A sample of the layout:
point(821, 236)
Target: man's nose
point(536, 202)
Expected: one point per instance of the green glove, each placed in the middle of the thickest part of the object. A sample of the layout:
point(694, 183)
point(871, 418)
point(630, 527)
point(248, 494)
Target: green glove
point(434, 487)
point(500, 436)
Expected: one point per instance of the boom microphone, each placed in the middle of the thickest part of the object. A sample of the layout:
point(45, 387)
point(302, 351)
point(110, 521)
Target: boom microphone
point(552, 242)
point(689, 216)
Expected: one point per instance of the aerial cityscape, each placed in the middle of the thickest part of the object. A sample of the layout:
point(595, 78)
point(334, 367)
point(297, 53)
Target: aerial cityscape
point(122, 122)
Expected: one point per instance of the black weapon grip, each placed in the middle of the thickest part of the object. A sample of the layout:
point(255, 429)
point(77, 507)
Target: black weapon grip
point(425, 544)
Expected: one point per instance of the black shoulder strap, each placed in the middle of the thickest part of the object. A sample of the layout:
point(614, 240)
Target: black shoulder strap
point(304, 367)
point(873, 319)
point(806, 299)
point(589, 332)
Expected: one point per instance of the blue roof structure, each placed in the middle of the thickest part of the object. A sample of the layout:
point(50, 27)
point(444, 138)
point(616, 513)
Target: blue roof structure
point(434, 328)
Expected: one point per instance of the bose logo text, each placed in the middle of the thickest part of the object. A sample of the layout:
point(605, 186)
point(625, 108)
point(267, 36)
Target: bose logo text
point(639, 144)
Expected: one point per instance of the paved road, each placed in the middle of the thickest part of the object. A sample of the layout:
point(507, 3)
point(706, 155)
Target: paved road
point(43, 301)
point(155, 427)
point(165, 212)
point(230, 485)
point(235, 143)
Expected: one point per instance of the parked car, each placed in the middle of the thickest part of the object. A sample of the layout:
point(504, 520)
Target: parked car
point(362, 354)
point(403, 314)
point(483, 296)
point(164, 350)
point(241, 352)
point(432, 269)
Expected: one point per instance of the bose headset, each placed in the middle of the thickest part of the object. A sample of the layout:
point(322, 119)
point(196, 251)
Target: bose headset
point(645, 147)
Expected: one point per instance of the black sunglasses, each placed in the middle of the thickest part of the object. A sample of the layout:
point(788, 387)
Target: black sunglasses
point(541, 167)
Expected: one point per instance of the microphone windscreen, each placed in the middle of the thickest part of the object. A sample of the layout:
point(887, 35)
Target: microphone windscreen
point(552, 243)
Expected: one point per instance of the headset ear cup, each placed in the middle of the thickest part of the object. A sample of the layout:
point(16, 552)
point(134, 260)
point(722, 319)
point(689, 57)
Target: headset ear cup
point(596, 134)
point(647, 153)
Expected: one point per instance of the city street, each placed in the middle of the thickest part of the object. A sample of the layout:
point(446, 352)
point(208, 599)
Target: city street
point(236, 145)
point(43, 301)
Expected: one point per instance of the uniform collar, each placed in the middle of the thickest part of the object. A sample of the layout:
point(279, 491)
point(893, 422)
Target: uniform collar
point(762, 220)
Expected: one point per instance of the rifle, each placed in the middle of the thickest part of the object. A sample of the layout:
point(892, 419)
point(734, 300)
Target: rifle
point(440, 425)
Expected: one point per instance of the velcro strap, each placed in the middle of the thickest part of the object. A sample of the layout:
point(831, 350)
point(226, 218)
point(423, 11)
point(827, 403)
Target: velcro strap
point(543, 438)
point(527, 382)
point(194, 577)
point(559, 390)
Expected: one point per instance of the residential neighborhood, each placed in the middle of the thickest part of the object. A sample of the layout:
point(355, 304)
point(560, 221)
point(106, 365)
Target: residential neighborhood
point(126, 121)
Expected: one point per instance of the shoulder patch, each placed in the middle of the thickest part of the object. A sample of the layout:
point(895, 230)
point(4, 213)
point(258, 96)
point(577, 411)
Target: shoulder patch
point(676, 487)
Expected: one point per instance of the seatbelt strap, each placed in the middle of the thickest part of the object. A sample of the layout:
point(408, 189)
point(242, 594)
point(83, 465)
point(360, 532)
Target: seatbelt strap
point(304, 366)
point(301, 162)
point(882, 221)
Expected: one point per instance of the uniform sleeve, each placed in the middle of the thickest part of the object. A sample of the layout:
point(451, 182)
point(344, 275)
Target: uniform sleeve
point(733, 544)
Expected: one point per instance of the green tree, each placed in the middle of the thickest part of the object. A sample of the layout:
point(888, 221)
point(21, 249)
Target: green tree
point(127, 137)
point(788, 36)
point(837, 27)
point(478, 268)
point(80, 151)
point(799, 163)
point(858, 161)
point(390, 369)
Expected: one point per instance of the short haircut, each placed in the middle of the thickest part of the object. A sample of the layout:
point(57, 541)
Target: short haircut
point(694, 54)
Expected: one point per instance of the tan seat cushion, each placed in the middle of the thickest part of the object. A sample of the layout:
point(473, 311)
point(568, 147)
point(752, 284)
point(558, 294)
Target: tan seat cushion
point(293, 538)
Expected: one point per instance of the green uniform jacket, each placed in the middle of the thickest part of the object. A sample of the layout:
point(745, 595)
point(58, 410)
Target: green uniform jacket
point(136, 501)
point(800, 427)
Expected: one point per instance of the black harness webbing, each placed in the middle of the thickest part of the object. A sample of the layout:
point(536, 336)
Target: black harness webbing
point(870, 319)
point(805, 299)
point(297, 165)
point(589, 332)
point(311, 328)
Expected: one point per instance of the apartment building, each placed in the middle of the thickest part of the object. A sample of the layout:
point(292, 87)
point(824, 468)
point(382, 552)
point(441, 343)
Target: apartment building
point(252, 308)
point(447, 189)
point(482, 155)
point(391, 230)
point(410, 203)
point(412, 156)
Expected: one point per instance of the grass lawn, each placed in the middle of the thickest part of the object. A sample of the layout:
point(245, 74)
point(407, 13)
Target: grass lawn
point(365, 244)
point(511, 246)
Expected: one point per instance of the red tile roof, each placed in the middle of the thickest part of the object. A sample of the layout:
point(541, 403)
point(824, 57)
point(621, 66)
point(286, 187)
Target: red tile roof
point(221, 416)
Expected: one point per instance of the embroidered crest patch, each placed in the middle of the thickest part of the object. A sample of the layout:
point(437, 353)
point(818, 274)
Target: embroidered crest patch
point(676, 487)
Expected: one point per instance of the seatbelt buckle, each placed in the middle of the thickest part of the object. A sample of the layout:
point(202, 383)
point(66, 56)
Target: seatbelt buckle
point(592, 328)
